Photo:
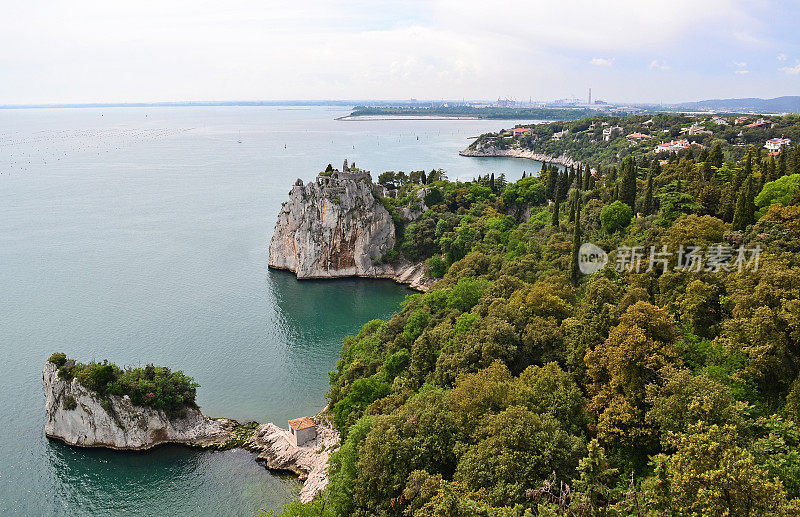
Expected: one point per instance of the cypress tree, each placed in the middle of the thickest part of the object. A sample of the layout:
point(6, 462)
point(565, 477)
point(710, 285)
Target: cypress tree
point(744, 215)
point(782, 164)
point(648, 193)
point(587, 178)
point(552, 183)
point(491, 182)
point(576, 241)
point(627, 193)
point(716, 157)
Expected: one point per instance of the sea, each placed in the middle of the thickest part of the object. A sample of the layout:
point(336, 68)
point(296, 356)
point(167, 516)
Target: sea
point(140, 235)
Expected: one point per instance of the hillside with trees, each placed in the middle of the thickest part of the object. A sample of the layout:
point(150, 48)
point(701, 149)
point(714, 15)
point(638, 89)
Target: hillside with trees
point(584, 140)
point(664, 383)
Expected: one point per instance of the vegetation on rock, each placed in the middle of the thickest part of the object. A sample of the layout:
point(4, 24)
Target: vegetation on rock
point(157, 387)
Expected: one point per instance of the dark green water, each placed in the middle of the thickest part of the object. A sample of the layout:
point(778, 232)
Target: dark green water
point(141, 236)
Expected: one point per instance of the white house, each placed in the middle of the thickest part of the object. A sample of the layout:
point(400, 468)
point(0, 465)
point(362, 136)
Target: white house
point(719, 121)
point(560, 134)
point(775, 144)
point(674, 145)
point(302, 430)
point(695, 129)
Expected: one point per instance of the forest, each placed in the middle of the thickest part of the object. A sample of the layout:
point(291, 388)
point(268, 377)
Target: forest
point(664, 383)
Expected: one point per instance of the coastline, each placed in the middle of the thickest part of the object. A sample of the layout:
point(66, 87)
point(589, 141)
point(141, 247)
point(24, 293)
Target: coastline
point(563, 160)
point(406, 117)
point(410, 275)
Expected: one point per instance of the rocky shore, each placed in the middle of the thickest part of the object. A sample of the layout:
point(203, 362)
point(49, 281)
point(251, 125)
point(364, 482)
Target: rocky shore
point(489, 151)
point(308, 461)
point(79, 417)
point(336, 226)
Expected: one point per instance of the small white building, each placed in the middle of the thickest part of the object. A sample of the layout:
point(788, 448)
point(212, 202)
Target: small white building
point(302, 430)
point(560, 134)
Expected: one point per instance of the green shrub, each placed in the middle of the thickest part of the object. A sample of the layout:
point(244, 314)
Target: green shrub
point(779, 191)
point(615, 216)
point(153, 386)
point(58, 359)
point(437, 267)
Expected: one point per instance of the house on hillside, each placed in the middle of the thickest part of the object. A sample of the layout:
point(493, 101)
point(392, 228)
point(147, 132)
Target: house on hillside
point(672, 146)
point(611, 132)
point(301, 431)
point(635, 137)
point(560, 134)
point(760, 122)
point(521, 131)
point(719, 121)
point(695, 129)
point(774, 145)
point(740, 120)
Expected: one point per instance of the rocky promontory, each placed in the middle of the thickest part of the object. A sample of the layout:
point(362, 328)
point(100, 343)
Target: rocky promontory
point(78, 416)
point(309, 461)
point(84, 417)
point(516, 152)
point(337, 226)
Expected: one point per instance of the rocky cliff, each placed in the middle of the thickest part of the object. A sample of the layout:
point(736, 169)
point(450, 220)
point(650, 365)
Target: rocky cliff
point(336, 226)
point(78, 416)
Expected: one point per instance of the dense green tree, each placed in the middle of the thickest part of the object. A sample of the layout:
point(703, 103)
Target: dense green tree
point(615, 216)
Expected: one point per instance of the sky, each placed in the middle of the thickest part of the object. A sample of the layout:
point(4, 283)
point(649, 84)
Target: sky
point(198, 50)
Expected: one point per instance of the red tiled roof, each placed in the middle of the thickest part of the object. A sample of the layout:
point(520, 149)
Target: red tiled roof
point(301, 423)
point(521, 129)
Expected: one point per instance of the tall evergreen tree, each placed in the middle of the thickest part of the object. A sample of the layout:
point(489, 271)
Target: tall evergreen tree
point(627, 192)
point(649, 197)
point(782, 164)
point(744, 215)
point(587, 177)
point(576, 240)
point(716, 157)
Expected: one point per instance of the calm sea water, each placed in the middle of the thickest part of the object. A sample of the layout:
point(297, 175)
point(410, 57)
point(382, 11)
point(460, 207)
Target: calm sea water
point(140, 235)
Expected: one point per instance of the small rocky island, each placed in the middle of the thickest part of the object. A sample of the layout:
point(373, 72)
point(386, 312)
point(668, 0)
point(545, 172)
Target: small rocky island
point(337, 226)
point(102, 405)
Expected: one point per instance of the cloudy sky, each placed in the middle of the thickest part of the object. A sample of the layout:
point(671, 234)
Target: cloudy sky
point(169, 50)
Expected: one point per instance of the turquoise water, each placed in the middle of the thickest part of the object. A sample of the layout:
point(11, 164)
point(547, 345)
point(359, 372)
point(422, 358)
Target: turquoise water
point(140, 235)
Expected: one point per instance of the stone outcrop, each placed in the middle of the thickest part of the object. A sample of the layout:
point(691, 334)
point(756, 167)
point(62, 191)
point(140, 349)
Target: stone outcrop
point(78, 416)
point(489, 150)
point(336, 226)
point(309, 461)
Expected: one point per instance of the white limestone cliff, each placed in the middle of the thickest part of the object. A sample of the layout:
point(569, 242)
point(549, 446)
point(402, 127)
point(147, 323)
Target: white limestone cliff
point(114, 422)
point(336, 226)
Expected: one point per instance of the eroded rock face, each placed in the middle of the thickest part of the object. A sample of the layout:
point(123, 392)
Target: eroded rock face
point(114, 422)
point(308, 461)
point(332, 227)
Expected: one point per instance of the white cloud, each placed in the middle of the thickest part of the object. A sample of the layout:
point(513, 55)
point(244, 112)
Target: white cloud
point(791, 70)
point(601, 61)
point(781, 57)
point(658, 65)
point(742, 72)
point(89, 51)
point(740, 64)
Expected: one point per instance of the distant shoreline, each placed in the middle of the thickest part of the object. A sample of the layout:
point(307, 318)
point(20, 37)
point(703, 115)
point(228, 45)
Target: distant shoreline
point(405, 117)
